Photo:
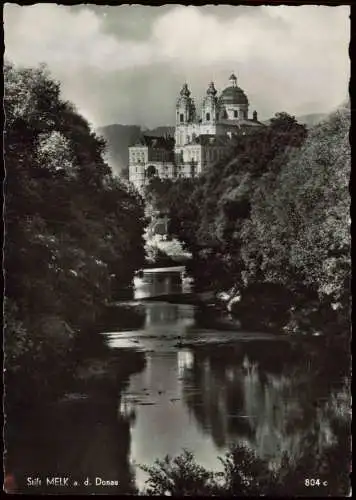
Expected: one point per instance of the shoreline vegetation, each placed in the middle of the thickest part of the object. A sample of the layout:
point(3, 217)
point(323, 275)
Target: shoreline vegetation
point(267, 230)
point(73, 238)
point(268, 227)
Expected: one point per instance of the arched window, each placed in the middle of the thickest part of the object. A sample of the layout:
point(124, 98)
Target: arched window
point(208, 117)
point(235, 113)
point(181, 118)
point(151, 171)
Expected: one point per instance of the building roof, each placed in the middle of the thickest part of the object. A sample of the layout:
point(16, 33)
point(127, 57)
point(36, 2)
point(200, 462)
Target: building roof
point(155, 142)
point(241, 123)
point(210, 140)
point(233, 95)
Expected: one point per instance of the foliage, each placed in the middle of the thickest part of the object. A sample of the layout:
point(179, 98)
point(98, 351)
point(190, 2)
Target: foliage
point(73, 230)
point(276, 210)
point(246, 475)
point(300, 216)
point(157, 256)
point(178, 200)
point(180, 476)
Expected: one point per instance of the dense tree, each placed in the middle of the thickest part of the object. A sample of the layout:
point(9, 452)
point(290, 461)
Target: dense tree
point(207, 213)
point(274, 211)
point(72, 229)
point(299, 229)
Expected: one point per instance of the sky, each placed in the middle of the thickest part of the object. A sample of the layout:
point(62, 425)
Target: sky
point(126, 64)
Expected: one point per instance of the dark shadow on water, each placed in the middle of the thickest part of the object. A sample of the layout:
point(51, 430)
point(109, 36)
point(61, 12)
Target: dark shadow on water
point(121, 317)
point(82, 435)
point(75, 439)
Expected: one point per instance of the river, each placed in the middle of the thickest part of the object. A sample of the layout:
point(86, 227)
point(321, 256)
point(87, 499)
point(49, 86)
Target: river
point(198, 388)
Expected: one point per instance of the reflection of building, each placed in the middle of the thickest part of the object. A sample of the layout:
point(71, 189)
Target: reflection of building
point(154, 284)
point(185, 360)
point(199, 141)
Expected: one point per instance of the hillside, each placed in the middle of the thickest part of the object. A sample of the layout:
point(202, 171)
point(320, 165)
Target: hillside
point(309, 120)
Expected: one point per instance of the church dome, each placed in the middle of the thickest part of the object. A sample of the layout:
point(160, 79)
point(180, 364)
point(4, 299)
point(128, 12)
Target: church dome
point(233, 95)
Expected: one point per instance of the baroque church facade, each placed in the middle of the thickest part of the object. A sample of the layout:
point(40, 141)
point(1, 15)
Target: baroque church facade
point(200, 139)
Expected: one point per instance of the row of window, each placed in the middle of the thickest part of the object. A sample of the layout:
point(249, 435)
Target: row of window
point(137, 157)
point(243, 114)
point(171, 172)
point(139, 171)
point(181, 117)
point(141, 181)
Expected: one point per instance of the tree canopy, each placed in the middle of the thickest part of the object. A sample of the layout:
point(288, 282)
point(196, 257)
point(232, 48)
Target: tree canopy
point(73, 231)
point(276, 210)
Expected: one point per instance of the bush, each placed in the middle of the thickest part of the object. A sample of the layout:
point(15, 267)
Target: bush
point(245, 475)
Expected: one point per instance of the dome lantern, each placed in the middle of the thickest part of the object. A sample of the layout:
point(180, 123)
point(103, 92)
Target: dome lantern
point(233, 80)
point(233, 95)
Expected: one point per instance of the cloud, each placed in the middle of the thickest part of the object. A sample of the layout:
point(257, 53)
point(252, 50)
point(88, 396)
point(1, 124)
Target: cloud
point(293, 58)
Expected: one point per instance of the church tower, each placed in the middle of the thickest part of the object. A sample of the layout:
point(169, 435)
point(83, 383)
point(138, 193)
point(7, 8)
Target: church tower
point(209, 111)
point(185, 116)
point(209, 107)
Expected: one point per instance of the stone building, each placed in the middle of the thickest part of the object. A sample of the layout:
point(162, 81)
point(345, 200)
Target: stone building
point(151, 156)
point(200, 139)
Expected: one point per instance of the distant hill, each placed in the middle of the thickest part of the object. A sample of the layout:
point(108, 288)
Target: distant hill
point(309, 120)
point(120, 137)
point(161, 131)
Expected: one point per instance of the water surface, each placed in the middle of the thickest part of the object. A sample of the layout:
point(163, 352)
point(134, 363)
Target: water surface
point(198, 387)
point(204, 389)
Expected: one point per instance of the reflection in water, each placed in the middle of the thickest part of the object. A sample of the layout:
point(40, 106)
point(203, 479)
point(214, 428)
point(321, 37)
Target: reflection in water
point(203, 398)
point(157, 315)
point(207, 397)
point(163, 322)
point(264, 410)
point(185, 360)
point(161, 283)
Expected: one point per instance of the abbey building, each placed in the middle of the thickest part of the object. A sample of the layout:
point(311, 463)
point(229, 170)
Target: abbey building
point(200, 138)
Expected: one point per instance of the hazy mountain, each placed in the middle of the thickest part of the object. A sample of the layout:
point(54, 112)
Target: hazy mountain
point(309, 120)
point(120, 137)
